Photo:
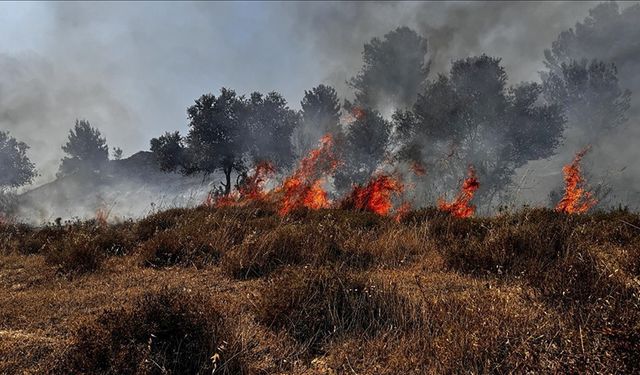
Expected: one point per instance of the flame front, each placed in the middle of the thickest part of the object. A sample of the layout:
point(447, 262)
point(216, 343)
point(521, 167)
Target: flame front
point(418, 169)
point(576, 198)
point(375, 196)
point(253, 187)
point(304, 187)
point(461, 206)
point(102, 216)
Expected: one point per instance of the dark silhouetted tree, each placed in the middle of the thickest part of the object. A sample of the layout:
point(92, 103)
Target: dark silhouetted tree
point(86, 150)
point(471, 117)
point(393, 71)
point(608, 34)
point(362, 147)
point(15, 167)
point(591, 96)
point(117, 153)
point(169, 151)
point(320, 115)
point(217, 138)
point(270, 124)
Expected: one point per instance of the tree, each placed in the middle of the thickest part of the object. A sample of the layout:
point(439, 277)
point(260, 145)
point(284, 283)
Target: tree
point(117, 153)
point(472, 117)
point(363, 148)
point(169, 151)
point(270, 124)
point(86, 150)
point(393, 72)
point(608, 34)
point(217, 135)
point(15, 167)
point(320, 115)
point(591, 96)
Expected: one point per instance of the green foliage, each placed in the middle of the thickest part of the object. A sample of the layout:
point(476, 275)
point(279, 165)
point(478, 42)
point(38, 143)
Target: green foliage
point(270, 124)
point(86, 150)
point(15, 167)
point(169, 151)
point(394, 68)
point(320, 115)
point(472, 117)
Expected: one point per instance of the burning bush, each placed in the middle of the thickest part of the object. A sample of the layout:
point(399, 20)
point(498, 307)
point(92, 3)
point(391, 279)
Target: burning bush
point(461, 206)
point(168, 332)
point(303, 189)
point(375, 196)
point(576, 198)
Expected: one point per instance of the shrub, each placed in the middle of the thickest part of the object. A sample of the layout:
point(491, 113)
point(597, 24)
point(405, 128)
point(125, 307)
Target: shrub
point(75, 254)
point(170, 248)
point(167, 332)
point(316, 306)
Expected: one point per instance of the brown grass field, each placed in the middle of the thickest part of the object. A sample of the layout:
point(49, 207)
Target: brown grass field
point(244, 291)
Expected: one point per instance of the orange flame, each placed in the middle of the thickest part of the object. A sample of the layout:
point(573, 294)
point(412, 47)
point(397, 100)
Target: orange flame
point(358, 113)
point(576, 198)
point(461, 206)
point(418, 169)
point(375, 196)
point(252, 188)
point(304, 187)
point(102, 216)
point(402, 211)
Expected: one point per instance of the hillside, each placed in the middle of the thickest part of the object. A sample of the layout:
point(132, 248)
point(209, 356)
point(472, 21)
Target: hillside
point(128, 188)
point(243, 290)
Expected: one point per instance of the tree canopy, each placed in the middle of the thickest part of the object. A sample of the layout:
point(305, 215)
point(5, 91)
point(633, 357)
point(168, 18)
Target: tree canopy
point(470, 116)
point(320, 115)
point(394, 69)
point(15, 167)
point(86, 149)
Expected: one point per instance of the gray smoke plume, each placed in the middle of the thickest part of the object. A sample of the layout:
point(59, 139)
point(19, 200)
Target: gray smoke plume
point(132, 69)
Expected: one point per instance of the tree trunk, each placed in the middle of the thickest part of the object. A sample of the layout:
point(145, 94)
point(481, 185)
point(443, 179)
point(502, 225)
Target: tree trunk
point(227, 174)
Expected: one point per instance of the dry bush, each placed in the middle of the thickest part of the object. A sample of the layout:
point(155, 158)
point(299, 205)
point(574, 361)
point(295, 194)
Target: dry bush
point(167, 332)
point(170, 249)
point(263, 252)
point(158, 222)
point(316, 306)
point(75, 254)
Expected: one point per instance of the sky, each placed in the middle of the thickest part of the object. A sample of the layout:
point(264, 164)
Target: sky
point(132, 69)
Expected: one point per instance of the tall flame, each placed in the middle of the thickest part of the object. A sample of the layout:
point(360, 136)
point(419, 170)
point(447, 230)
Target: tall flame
point(253, 186)
point(461, 206)
point(304, 187)
point(251, 190)
point(375, 196)
point(576, 198)
point(102, 216)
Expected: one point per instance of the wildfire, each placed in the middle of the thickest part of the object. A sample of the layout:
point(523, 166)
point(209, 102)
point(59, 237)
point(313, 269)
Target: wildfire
point(375, 196)
point(304, 187)
point(102, 216)
point(251, 189)
point(358, 113)
point(253, 186)
point(418, 169)
point(402, 211)
point(576, 198)
point(461, 206)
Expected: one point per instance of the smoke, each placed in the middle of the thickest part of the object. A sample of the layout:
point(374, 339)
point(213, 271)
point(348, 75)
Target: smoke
point(132, 69)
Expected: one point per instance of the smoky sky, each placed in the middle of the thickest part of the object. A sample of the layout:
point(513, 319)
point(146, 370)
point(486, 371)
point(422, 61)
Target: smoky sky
point(132, 69)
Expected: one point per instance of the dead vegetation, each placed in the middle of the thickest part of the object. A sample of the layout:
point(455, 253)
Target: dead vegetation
point(243, 290)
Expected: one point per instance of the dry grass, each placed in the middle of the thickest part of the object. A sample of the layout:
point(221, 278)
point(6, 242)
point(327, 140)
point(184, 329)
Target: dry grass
point(241, 290)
